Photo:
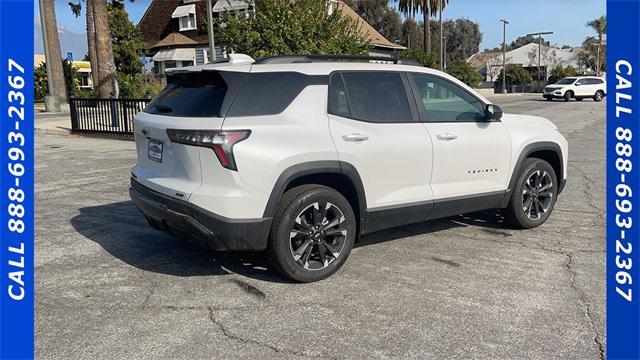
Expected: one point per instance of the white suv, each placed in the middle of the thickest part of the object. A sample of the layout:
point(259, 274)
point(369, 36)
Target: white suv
point(579, 88)
point(300, 155)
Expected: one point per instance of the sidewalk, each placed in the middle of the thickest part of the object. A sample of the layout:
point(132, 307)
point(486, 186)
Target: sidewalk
point(58, 123)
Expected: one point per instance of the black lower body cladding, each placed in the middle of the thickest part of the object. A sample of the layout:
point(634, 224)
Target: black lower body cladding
point(184, 220)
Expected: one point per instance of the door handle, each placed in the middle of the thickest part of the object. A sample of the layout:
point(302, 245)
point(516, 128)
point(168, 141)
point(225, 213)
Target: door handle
point(355, 137)
point(447, 136)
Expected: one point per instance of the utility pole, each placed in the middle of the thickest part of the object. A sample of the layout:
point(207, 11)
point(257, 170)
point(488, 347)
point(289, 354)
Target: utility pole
point(504, 55)
point(444, 40)
point(539, 34)
point(212, 43)
point(441, 40)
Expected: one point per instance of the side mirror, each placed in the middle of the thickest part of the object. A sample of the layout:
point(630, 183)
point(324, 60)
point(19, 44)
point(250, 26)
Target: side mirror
point(578, 84)
point(493, 112)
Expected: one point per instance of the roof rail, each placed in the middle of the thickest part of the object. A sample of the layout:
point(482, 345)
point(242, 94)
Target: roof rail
point(298, 59)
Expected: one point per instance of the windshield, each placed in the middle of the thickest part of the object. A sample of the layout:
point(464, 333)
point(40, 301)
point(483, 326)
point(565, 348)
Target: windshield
point(566, 81)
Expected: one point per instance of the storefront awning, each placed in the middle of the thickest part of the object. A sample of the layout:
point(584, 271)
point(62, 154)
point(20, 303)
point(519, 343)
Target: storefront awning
point(182, 11)
point(175, 55)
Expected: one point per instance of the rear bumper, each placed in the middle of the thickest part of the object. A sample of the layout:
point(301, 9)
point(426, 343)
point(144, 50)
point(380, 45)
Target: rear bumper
point(190, 222)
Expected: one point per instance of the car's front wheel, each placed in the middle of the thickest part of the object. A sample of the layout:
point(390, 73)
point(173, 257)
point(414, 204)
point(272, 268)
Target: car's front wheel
point(312, 234)
point(533, 196)
point(568, 95)
point(598, 96)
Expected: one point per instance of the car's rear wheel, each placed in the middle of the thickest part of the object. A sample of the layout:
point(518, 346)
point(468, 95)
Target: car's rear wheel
point(533, 196)
point(568, 95)
point(598, 96)
point(312, 234)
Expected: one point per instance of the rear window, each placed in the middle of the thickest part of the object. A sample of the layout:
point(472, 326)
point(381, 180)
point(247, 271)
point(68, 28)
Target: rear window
point(377, 97)
point(197, 94)
point(232, 94)
point(267, 93)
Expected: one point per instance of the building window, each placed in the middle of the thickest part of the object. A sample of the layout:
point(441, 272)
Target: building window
point(188, 22)
point(186, 16)
point(170, 64)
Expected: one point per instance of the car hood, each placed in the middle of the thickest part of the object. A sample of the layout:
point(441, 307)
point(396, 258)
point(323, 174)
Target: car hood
point(554, 87)
point(530, 119)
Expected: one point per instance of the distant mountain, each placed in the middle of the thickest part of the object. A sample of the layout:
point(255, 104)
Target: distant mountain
point(69, 41)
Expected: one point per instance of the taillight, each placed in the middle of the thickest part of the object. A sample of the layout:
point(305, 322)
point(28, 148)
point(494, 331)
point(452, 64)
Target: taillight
point(221, 142)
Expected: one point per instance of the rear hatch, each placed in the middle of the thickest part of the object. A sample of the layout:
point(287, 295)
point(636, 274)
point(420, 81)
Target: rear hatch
point(191, 100)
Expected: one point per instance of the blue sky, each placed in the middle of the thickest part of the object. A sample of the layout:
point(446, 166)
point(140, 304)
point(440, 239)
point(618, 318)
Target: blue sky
point(566, 18)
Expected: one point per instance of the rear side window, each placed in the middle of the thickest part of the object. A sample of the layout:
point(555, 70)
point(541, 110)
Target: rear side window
point(268, 93)
point(201, 94)
point(376, 97)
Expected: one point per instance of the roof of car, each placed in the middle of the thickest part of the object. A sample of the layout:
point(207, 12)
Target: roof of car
point(243, 63)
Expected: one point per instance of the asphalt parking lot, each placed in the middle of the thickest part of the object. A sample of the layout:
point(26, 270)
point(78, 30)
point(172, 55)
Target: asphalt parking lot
point(108, 286)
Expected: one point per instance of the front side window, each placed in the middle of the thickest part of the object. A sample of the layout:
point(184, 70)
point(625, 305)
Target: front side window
point(376, 97)
point(444, 101)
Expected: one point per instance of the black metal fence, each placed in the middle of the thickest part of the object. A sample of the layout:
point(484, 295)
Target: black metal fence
point(109, 116)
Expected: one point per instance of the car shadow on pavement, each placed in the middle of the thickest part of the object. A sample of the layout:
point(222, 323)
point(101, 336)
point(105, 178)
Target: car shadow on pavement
point(123, 232)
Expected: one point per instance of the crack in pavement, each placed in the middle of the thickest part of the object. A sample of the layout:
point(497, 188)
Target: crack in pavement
point(572, 283)
point(232, 336)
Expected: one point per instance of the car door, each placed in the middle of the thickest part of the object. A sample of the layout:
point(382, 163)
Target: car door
point(583, 88)
point(471, 156)
point(375, 128)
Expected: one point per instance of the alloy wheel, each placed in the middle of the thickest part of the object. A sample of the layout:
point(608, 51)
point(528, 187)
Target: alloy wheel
point(537, 194)
point(318, 235)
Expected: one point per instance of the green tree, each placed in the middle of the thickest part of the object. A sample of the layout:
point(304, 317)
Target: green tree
point(412, 34)
point(464, 72)
point(516, 75)
point(40, 85)
point(126, 40)
point(281, 27)
point(428, 60)
point(560, 72)
point(428, 8)
point(599, 25)
point(380, 16)
point(463, 38)
point(525, 40)
point(40, 81)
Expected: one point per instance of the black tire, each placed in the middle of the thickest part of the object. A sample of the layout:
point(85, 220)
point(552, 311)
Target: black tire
point(517, 212)
point(317, 260)
point(597, 97)
point(549, 99)
point(568, 95)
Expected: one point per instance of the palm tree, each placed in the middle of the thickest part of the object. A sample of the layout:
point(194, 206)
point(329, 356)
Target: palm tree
point(428, 8)
point(107, 81)
point(91, 43)
point(50, 30)
point(600, 27)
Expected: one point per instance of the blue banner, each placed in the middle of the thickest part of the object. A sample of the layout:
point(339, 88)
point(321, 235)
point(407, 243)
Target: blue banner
point(16, 179)
point(623, 180)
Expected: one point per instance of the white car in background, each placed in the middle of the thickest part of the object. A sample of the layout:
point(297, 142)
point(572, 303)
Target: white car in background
point(580, 87)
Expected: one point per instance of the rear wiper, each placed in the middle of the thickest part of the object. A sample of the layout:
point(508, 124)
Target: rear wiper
point(163, 108)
